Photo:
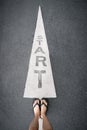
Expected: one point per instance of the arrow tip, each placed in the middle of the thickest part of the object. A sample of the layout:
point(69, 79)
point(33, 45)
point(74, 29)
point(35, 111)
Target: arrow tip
point(39, 8)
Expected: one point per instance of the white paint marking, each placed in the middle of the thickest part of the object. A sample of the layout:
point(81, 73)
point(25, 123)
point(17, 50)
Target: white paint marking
point(40, 124)
point(39, 81)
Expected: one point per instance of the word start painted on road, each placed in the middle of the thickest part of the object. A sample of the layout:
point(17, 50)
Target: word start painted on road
point(40, 59)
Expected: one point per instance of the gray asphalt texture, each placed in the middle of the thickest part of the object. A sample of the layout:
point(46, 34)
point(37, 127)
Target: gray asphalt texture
point(66, 30)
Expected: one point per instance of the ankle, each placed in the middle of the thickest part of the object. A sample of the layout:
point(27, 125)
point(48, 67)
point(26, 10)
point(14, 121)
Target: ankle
point(36, 115)
point(43, 115)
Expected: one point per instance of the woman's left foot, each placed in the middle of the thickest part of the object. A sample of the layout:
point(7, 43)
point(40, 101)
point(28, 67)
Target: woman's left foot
point(44, 106)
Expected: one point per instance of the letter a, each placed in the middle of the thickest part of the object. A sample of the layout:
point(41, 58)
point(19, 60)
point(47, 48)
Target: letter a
point(39, 49)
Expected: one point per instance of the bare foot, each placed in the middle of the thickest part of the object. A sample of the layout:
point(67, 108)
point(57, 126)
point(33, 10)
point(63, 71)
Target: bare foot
point(36, 108)
point(43, 108)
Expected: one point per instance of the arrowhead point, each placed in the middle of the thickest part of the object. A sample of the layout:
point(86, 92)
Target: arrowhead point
point(39, 7)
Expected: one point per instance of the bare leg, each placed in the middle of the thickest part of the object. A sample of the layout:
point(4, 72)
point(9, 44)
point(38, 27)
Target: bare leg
point(46, 123)
point(34, 124)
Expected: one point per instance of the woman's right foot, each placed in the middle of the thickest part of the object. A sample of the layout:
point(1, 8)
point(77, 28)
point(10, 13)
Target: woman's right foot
point(43, 107)
point(36, 107)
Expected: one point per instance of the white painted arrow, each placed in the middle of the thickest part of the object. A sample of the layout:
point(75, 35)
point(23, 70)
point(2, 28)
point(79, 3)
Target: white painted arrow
point(39, 81)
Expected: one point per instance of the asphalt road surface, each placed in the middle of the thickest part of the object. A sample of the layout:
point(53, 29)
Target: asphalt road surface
point(66, 30)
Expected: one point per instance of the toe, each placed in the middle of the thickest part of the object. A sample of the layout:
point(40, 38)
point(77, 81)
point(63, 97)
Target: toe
point(36, 102)
point(43, 101)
